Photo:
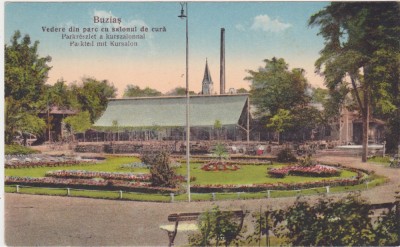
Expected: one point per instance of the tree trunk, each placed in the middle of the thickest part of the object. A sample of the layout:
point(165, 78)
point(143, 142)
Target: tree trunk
point(365, 120)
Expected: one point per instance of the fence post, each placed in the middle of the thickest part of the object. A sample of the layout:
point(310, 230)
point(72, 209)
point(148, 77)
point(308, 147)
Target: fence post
point(120, 194)
point(17, 188)
point(367, 183)
point(238, 195)
point(213, 196)
point(327, 189)
point(68, 191)
point(268, 194)
point(172, 197)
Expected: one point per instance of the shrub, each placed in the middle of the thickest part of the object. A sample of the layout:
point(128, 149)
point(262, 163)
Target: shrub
point(306, 161)
point(162, 175)
point(217, 228)
point(286, 155)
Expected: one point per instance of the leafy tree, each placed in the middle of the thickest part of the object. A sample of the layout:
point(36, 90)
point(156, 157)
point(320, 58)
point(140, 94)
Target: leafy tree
point(79, 123)
point(242, 90)
point(218, 127)
point(93, 96)
point(282, 96)
point(25, 74)
point(356, 35)
point(179, 91)
point(274, 87)
point(319, 95)
point(60, 95)
point(280, 121)
point(136, 91)
point(220, 151)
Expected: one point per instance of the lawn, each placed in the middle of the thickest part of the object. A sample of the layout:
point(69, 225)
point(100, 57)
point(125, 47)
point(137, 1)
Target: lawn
point(380, 160)
point(247, 174)
point(111, 164)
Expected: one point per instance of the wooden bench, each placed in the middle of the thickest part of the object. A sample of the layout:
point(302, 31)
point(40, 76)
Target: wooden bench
point(173, 229)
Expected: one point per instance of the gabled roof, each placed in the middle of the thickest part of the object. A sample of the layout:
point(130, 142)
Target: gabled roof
point(171, 111)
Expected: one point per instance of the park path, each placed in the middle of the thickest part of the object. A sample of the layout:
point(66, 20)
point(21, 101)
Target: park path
point(32, 220)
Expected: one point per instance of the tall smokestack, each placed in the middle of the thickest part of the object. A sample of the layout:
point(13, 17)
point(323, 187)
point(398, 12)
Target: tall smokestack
point(222, 63)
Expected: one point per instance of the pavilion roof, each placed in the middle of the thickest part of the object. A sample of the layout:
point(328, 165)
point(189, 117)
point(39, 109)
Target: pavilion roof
point(171, 111)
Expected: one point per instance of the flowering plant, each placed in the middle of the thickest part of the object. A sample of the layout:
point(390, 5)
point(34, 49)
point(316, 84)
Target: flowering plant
point(315, 171)
point(105, 175)
point(219, 166)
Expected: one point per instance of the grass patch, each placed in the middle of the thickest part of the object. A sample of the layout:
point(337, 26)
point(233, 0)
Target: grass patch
point(111, 164)
point(18, 149)
point(249, 174)
point(39, 191)
point(380, 160)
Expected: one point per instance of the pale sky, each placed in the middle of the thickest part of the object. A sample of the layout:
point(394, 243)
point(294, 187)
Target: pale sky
point(254, 31)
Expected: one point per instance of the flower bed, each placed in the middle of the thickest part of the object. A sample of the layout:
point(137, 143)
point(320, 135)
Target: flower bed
point(313, 171)
point(140, 187)
point(20, 164)
point(135, 165)
point(276, 186)
point(137, 177)
point(142, 177)
point(219, 166)
point(46, 181)
point(88, 184)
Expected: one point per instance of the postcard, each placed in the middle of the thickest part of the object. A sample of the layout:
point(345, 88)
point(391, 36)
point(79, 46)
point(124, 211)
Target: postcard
point(123, 119)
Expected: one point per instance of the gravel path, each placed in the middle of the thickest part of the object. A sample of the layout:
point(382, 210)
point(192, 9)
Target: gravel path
point(63, 221)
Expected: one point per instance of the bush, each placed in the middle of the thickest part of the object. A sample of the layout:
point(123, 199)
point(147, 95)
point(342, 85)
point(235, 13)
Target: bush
point(306, 161)
point(217, 228)
point(18, 149)
point(162, 175)
point(286, 155)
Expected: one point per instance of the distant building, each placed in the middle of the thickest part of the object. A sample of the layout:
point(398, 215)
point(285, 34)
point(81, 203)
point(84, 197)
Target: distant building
point(54, 117)
point(207, 84)
point(350, 128)
point(163, 118)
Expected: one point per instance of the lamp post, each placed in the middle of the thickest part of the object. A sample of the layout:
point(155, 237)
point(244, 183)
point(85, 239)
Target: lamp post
point(185, 16)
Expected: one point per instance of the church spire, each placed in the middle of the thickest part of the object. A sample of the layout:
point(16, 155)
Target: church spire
point(207, 85)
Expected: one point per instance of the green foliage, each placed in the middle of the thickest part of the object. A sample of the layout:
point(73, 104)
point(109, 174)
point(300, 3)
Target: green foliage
point(344, 222)
point(25, 73)
point(242, 90)
point(92, 96)
point(161, 172)
point(319, 95)
point(61, 95)
point(280, 121)
point(286, 155)
point(306, 161)
point(274, 87)
point(282, 98)
point(179, 91)
point(18, 149)
point(216, 228)
point(79, 122)
point(220, 151)
point(218, 127)
point(136, 91)
point(388, 229)
point(361, 44)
